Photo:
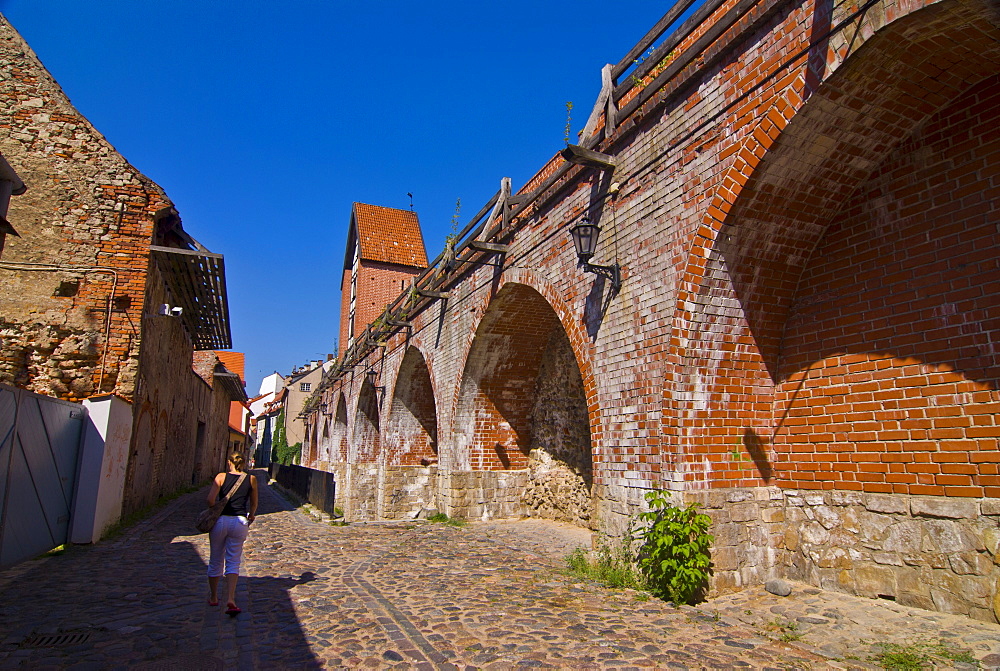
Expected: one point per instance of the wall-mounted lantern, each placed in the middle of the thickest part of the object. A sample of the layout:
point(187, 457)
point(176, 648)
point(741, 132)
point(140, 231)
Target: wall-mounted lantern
point(372, 376)
point(585, 235)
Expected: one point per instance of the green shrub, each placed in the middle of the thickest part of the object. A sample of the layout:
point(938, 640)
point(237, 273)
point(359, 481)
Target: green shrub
point(283, 452)
point(674, 556)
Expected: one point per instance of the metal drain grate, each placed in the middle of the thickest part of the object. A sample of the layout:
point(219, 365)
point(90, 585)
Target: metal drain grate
point(56, 640)
point(195, 662)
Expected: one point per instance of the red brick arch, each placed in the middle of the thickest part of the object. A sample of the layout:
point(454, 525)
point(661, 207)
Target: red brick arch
point(549, 303)
point(366, 432)
point(410, 434)
point(340, 432)
point(800, 171)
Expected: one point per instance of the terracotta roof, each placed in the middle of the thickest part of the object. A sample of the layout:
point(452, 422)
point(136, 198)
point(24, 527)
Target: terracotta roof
point(389, 235)
point(235, 362)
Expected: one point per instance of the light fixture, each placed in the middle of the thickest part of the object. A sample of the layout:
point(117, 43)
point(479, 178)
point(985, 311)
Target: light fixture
point(372, 375)
point(585, 235)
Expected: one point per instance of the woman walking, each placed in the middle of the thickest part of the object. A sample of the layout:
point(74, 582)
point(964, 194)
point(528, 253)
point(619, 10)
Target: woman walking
point(230, 531)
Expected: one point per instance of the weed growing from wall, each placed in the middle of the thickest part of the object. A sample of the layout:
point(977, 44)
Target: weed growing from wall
point(569, 120)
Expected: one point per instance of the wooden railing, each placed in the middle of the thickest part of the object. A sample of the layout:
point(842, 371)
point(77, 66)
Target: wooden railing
point(504, 213)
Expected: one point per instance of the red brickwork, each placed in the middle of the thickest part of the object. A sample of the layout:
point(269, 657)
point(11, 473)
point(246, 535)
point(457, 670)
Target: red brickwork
point(80, 291)
point(805, 226)
point(411, 427)
point(744, 275)
point(889, 371)
point(365, 439)
point(497, 394)
point(338, 449)
point(390, 250)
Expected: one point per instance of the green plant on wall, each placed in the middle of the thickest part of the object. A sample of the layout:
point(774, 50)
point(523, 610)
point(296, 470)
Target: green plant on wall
point(569, 121)
point(283, 452)
point(674, 556)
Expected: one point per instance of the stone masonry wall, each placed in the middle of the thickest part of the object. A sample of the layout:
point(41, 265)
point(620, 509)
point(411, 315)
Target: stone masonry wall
point(407, 490)
point(74, 281)
point(79, 292)
point(928, 552)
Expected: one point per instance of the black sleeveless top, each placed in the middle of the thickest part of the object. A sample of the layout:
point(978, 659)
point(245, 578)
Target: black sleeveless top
point(237, 504)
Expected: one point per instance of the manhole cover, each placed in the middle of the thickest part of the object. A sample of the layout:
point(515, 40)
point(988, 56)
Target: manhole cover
point(56, 640)
point(182, 663)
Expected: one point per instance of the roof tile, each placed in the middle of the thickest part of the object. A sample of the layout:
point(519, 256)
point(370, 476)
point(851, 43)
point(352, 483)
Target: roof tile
point(389, 235)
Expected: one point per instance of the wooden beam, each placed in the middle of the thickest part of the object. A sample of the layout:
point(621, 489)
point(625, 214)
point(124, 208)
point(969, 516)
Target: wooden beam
point(604, 104)
point(595, 159)
point(491, 247)
point(426, 293)
point(610, 110)
point(399, 324)
point(721, 25)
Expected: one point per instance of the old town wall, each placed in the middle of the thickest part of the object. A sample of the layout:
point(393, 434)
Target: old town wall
point(79, 291)
point(803, 337)
point(74, 280)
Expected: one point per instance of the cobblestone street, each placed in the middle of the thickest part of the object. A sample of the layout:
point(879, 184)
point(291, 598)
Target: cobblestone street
point(417, 595)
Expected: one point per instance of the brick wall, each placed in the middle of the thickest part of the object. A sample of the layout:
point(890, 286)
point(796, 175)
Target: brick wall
point(808, 254)
point(378, 285)
point(888, 369)
point(180, 416)
point(410, 433)
point(79, 290)
point(74, 281)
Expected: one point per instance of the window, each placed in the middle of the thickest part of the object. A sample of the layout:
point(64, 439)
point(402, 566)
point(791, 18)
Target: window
point(305, 386)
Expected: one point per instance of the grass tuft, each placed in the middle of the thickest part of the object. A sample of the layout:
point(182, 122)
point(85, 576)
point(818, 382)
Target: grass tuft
point(444, 519)
point(610, 566)
point(919, 655)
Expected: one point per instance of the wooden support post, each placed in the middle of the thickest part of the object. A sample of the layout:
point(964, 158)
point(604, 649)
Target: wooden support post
point(490, 247)
point(577, 154)
point(426, 293)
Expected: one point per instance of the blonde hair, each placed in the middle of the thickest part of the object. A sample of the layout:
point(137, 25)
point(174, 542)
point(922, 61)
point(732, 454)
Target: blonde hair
point(237, 460)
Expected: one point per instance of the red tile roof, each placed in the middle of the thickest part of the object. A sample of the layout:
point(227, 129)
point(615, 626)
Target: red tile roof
point(235, 362)
point(389, 235)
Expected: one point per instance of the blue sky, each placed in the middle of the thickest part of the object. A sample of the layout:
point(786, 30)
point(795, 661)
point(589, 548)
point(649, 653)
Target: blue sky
point(265, 121)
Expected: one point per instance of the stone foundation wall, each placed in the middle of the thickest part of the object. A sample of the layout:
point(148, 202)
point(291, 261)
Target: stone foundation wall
point(363, 502)
point(483, 495)
point(930, 552)
point(407, 490)
point(339, 470)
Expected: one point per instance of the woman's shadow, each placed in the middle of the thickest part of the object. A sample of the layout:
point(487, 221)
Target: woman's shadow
point(278, 636)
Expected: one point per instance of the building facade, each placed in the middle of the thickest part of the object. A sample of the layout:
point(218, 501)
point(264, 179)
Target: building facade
point(385, 250)
point(104, 292)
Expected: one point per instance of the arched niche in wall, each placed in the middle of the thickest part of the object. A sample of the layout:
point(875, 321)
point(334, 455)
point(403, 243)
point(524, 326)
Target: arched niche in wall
point(366, 436)
point(410, 437)
point(846, 297)
point(522, 405)
point(338, 448)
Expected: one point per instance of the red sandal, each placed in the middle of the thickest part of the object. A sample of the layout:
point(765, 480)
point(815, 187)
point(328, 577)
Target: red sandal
point(233, 610)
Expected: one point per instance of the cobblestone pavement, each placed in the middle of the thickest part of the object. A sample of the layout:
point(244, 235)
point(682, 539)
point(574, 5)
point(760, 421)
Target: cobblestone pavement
point(417, 595)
